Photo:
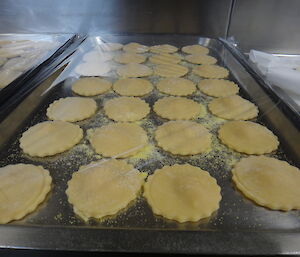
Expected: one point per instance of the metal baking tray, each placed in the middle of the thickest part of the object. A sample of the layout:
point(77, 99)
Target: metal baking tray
point(238, 227)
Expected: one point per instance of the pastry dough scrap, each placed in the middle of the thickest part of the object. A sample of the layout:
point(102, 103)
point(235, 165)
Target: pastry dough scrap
point(248, 137)
point(91, 86)
point(22, 188)
point(167, 49)
point(268, 182)
point(182, 193)
point(233, 108)
point(134, 70)
point(218, 87)
point(183, 137)
point(200, 59)
point(195, 49)
point(176, 86)
point(111, 46)
point(50, 137)
point(133, 87)
point(135, 48)
point(170, 70)
point(164, 59)
point(129, 58)
point(71, 109)
point(211, 71)
point(177, 108)
point(126, 109)
point(119, 140)
point(103, 188)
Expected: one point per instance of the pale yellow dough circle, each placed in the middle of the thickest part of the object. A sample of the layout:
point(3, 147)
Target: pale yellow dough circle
point(200, 59)
point(268, 182)
point(248, 137)
point(119, 140)
point(23, 187)
point(134, 70)
point(91, 86)
point(167, 49)
point(125, 58)
point(126, 108)
point(111, 46)
point(135, 48)
point(183, 137)
point(211, 71)
point(164, 59)
point(218, 87)
point(170, 70)
point(195, 49)
point(103, 188)
point(71, 109)
point(177, 108)
point(132, 87)
point(50, 137)
point(233, 108)
point(176, 86)
point(182, 193)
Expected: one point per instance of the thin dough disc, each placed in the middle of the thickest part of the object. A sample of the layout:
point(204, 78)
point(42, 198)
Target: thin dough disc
point(182, 193)
point(218, 87)
point(130, 58)
point(119, 140)
point(233, 108)
point(177, 108)
point(195, 49)
point(111, 46)
point(211, 71)
point(23, 187)
point(200, 59)
point(94, 68)
point(176, 86)
point(183, 137)
point(135, 48)
point(166, 49)
point(164, 59)
point(170, 70)
point(133, 87)
point(268, 182)
point(50, 137)
point(248, 137)
point(71, 109)
point(91, 86)
point(96, 56)
point(103, 188)
point(126, 109)
point(134, 70)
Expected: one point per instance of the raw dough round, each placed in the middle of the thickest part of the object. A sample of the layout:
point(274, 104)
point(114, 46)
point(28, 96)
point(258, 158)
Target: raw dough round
point(233, 108)
point(134, 70)
point(183, 137)
point(248, 137)
point(200, 59)
point(96, 56)
point(126, 109)
point(133, 87)
point(166, 49)
point(103, 188)
point(91, 86)
point(177, 108)
point(135, 48)
point(119, 140)
point(93, 68)
point(129, 57)
point(218, 87)
point(211, 71)
point(176, 86)
point(50, 137)
point(195, 49)
point(164, 59)
point(23, 187)
point(111, 46)
point(182, 193)
point(71, 109)
point(268, 182)
point(170, 70)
